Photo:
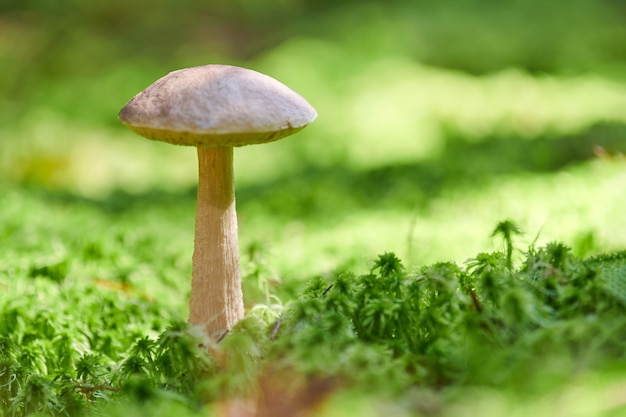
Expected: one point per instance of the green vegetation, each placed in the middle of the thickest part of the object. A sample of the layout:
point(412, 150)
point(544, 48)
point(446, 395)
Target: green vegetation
point(74, 341)
point(378, 280)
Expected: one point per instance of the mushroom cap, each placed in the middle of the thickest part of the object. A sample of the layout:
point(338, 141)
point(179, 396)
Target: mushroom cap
point(217, 105)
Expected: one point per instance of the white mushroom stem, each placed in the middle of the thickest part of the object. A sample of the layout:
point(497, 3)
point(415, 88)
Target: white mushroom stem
point(216, 296)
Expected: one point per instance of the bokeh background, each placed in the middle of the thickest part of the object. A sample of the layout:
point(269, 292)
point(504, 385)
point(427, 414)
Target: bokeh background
point(436, 120)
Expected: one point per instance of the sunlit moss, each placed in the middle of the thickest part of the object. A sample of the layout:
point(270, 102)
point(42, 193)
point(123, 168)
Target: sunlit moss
point(377, 112)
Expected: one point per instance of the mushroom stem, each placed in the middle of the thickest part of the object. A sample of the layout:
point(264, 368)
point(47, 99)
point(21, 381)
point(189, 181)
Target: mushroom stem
point(216, 297)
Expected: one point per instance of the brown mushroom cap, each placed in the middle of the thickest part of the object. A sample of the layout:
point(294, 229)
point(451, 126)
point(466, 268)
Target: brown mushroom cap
point(217, 105)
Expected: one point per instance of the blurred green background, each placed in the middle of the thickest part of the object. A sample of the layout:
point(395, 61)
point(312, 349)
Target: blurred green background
point(436, 120)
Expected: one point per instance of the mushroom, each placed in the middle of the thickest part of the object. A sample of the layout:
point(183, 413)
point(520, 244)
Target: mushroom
point(216, 107)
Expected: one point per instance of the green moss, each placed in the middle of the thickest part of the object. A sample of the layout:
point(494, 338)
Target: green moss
point(92, 321)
